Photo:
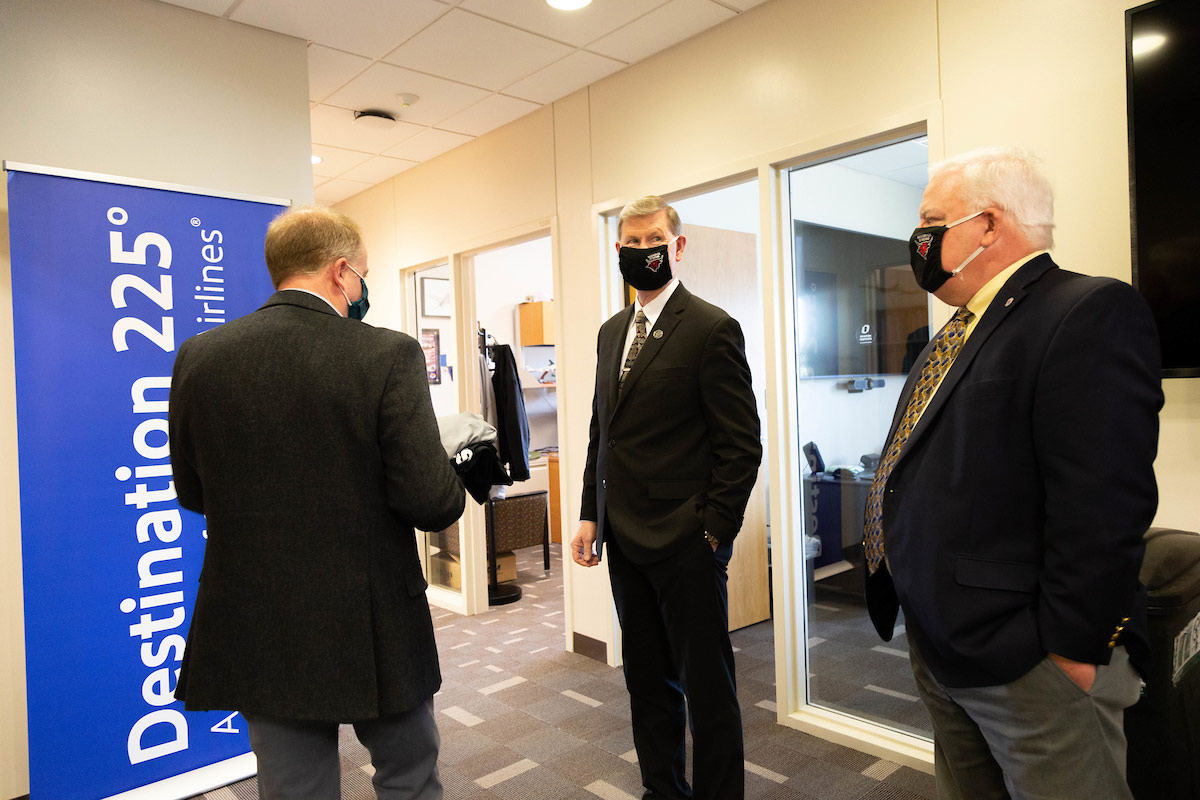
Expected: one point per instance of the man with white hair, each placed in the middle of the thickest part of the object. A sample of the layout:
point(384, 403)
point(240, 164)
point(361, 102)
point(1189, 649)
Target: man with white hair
point(1007, 512)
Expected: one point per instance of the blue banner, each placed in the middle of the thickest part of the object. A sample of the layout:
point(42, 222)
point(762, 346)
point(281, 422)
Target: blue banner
point(107, 280)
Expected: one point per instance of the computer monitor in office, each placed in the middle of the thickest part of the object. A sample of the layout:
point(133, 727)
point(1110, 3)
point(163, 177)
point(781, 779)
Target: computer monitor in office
point(860, 312)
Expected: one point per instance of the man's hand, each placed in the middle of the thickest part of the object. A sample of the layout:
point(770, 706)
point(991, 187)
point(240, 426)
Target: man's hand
point(581, 545)
point(1083, 674)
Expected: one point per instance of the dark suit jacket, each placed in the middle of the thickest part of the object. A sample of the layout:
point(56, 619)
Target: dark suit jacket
point(1013, 519)
point(309, 443)
point(677, 452)
point(512, 423)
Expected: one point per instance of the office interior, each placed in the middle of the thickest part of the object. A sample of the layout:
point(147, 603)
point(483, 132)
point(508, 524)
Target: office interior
point(144, 89)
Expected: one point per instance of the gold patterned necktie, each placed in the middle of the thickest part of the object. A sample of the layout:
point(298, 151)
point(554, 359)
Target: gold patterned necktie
point(945, 349)
point(639, 339)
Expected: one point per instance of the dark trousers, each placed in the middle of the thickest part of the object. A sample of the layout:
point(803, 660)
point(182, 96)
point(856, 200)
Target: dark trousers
point(298, 759)
point(675, 644)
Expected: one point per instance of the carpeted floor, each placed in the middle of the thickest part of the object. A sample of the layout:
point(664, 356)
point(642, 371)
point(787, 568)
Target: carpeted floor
point(521, 719)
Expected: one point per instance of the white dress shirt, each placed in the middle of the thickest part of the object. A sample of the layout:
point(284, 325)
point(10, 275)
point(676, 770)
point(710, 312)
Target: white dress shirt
point(652, 311)
point(314, 294)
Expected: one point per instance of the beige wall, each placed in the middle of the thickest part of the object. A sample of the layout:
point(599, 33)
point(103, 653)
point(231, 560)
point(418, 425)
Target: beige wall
point(1050, 76)
point(144, 90)
point(784, 81)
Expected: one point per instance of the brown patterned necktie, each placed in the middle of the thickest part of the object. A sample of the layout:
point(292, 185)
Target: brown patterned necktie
point(639, 339)
point(945, 349)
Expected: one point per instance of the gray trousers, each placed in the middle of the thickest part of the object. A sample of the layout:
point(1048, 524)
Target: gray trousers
point(298, 759)
point(1040, 737)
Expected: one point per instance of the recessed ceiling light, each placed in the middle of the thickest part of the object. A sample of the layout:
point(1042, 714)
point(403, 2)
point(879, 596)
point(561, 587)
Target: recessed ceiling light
point(316, 159)
point(567, 5)
point(1144, 44)
point(372, 118)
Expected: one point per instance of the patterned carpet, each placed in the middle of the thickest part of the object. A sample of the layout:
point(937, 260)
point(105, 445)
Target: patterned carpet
point(523, 720)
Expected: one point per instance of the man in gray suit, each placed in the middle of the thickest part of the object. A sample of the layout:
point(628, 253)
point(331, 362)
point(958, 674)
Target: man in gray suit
point(308, 440)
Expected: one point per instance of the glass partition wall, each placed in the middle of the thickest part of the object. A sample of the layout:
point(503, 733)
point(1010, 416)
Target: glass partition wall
point(860, 321)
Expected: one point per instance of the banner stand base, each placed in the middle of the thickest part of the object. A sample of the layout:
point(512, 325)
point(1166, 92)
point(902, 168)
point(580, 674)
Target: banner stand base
point(198, 781)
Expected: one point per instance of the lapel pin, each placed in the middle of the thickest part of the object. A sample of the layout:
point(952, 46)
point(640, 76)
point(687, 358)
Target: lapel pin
point(1008, 302)
point(657, 334)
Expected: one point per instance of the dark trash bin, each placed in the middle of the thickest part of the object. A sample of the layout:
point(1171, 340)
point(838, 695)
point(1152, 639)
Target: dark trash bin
point(1163, 729)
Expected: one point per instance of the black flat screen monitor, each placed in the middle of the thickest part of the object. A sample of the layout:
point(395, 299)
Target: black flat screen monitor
point(859, 310)
point(1162, 52)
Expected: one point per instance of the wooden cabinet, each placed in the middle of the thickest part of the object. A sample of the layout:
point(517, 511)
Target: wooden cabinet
point(555, 501)
point(537, 323)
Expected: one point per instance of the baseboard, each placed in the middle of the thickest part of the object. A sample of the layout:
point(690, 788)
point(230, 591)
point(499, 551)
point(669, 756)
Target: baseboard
point(592, 648)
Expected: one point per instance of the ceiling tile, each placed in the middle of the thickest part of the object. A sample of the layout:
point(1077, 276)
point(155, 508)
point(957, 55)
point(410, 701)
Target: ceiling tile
point(378, 169)
point(743, 5)
point(379, 85)
point(329, 70)
point(880, 160)
point(489, 114)
point(563, 77)
point(336, 127)
point(337, 190)
point(427, 144)
point(658, 30)
point(215, 7)
point(335, 160)
point(482, 52)
point(916, 175)
point(576, 28)
point(368, 27)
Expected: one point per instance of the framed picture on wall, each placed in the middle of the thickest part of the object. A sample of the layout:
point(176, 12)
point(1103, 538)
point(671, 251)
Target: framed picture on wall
point(435, 297)
point(431, 345)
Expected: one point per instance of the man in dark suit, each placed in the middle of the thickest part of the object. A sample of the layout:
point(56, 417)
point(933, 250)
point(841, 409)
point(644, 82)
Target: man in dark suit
point(308, 440)
point(1007, 513)
point(673, 455)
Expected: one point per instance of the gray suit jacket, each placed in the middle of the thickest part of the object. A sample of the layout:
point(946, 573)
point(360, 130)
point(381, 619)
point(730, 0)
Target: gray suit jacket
point(309, 443)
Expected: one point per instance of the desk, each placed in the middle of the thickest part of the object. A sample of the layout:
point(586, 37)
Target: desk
point(833, 511)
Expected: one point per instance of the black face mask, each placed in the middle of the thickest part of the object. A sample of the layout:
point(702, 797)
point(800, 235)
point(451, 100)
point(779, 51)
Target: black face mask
point(646, 269)
point(925, 255)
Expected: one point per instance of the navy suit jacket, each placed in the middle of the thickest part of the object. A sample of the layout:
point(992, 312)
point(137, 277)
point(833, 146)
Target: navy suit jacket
point(676, 451)
point(1013, 520)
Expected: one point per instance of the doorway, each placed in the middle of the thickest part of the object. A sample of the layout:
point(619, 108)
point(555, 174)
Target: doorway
point(512, 292)
point(434, 325)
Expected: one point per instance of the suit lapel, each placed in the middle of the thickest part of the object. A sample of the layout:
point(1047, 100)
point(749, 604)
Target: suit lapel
point(1006, 300)
point(610, 359)
point(664, 325)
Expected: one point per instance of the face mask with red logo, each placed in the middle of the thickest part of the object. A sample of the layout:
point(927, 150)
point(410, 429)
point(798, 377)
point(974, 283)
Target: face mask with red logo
point(646, 269)
point(925, 255)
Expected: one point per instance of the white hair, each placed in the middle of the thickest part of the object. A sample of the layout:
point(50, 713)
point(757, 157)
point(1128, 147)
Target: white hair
point(1010, 179)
